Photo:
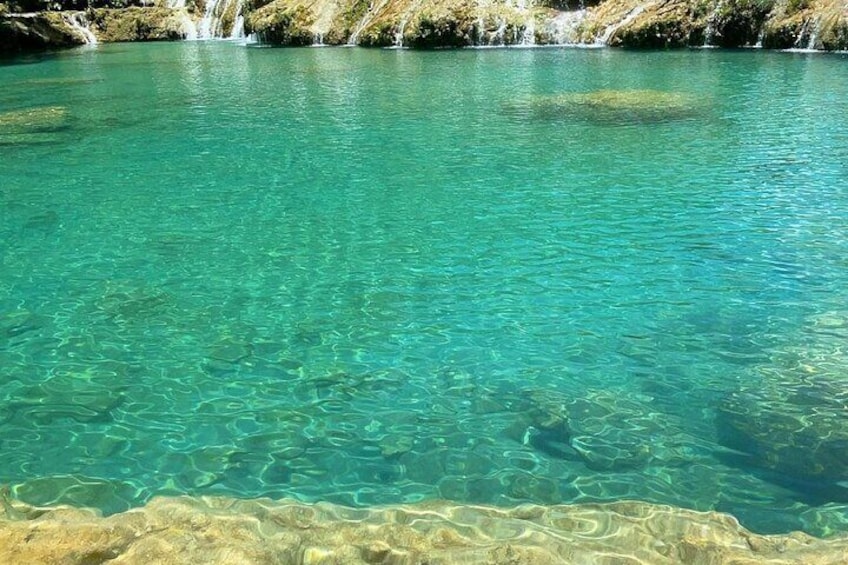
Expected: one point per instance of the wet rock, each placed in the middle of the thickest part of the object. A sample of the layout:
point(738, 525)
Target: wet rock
point(31, 32)
point(666, 24)
point(221, 530)
point(20, 322)
point(737, 23)
point(129, 303)
point(808, 24)
point(280, 23)
point(137, 24)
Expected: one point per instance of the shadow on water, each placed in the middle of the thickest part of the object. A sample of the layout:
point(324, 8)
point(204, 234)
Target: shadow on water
point(814, 492)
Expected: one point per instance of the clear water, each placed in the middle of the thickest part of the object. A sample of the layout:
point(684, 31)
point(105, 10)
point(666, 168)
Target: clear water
point(385, 276)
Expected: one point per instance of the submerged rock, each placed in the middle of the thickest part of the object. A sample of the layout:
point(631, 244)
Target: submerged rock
point(790, 418)
point(78, 397)
point(33, 126)
point(792, 425)
point(223, 530)
point(33, 120)
point(605, 429)
point(610, 106)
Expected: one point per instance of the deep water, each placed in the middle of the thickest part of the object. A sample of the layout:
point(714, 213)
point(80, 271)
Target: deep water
point(371, 277)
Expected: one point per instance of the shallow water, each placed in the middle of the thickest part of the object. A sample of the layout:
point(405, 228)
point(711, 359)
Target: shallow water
point(387, 276)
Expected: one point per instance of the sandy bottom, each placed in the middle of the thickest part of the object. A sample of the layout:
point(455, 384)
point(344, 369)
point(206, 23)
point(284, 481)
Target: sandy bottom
point(224, 530)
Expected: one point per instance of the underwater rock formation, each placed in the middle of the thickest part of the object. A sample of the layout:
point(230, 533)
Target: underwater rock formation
point(790, 417)
point(609, 106)
point(222, 530)
point(604, 430)
point(31, 125)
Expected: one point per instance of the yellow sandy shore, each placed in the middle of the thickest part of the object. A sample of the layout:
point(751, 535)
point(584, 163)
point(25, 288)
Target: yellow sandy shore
point(228, 531)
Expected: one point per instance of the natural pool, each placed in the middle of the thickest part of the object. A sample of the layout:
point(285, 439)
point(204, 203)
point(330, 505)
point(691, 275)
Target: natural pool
point(367, 277)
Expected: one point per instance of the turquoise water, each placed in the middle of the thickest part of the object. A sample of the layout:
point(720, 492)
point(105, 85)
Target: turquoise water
point(387, 276)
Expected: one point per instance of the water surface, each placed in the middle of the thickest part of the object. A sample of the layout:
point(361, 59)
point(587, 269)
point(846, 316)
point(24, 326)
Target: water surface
point(387, 276)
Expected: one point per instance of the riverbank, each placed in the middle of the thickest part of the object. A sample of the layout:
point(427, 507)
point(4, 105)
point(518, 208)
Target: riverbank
point(775, 24)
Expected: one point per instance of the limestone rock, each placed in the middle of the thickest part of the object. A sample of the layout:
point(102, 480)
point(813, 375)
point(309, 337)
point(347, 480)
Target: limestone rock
point(137, 24)
point(789, 415)
point(222, 530)
point(34, 31)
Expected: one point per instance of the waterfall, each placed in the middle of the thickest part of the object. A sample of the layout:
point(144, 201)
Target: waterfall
point(528, 33)
point(563, 29)
point(186, 24)
point(603, 38)
point(508, 31)
point(373, 10)
point(709, 31)
point(211, 25)
point(412, 8)
point(79, 22)
point(814, 35)
point(808, 36)
point(238, 24)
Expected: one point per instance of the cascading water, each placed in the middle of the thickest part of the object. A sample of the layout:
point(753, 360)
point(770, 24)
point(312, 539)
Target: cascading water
point(514, 26)
point(709, 32)
point(79, 22)
point(528, 33)
point(811, 30)
point(373, 10)
point(212, 25)
point(604, 37)
point(186, 23)
point(238, 24)
point(411, 9)
point(563, 29)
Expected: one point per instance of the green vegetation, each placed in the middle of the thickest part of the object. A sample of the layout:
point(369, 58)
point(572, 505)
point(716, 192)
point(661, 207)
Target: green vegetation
point(280, 24)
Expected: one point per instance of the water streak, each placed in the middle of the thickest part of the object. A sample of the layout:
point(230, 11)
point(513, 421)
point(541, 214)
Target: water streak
point(79, 22)
point(604, 37)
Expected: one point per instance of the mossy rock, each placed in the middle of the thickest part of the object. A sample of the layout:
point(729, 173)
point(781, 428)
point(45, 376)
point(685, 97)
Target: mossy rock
point(137, 24)
point(452, 26)
point(610, 106)
point(666, 25)
point(833, 34)
point(783, 32)
point(817, 24)
point(278, 23)
point(33, 120)
point(380, 34)
point(737, 23)
point(44, 30)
